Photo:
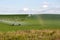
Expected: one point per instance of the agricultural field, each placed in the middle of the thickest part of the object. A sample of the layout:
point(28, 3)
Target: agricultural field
point(31, 35)
point(43, 21)
point(34, 27)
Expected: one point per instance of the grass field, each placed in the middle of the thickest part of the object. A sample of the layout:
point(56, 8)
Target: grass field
point(43, 21)
point(34, 27)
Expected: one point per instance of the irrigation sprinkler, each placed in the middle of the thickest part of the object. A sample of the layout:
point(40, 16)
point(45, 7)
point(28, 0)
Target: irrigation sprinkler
point(15, 24)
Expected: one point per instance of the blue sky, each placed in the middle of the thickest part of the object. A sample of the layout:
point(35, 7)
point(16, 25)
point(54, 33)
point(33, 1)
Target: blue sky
point(28, 3)
point(32, 4)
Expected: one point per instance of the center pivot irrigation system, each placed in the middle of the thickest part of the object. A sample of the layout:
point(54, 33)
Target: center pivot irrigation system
point(19, 23)
point(13, 23)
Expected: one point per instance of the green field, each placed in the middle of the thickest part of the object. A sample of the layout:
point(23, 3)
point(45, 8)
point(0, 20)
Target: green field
point(34, 27)
point(42, 21)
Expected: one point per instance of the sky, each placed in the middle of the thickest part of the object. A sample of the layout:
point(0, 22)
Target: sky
point(13, 5)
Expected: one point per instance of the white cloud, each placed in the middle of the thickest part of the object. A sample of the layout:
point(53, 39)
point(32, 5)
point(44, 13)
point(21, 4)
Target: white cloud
point(29, 11)
point(45, 6)
point(25, 9)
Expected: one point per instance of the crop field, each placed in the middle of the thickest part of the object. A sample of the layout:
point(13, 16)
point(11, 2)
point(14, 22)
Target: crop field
point(34, 27)
point(28, 23)
point(43, 21)
point(31, 35)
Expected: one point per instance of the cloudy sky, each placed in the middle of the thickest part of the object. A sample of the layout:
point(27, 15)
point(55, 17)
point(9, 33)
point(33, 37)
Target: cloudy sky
point(16, 6)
